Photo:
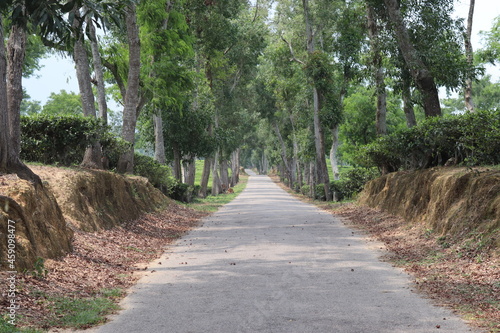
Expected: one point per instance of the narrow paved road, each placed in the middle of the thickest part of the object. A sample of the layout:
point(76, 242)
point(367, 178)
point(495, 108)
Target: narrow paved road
point(267, 262)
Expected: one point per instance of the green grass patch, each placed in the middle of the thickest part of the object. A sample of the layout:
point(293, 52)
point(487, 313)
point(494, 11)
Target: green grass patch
point(80, 312)
point(6, 327)
point(199, 173)
point(213, 203)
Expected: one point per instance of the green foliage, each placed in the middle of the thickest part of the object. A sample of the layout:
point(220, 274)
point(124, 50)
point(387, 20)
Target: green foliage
point(63, 139)
point(39, 271)
point(63, 103)
point(352, 182)
point(470, 139)
point(158, 174)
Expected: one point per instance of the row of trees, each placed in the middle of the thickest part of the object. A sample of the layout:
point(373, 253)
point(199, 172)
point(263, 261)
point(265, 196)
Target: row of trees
point(178, 68)
point(371, 67)
point(279, 82)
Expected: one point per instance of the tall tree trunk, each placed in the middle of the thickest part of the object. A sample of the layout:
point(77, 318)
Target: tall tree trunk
point(216, 184)
point(470, 58)
point(333, 153)
point(16, 48)
point(408, 105)
point(205, 177)
point(159, 140)
point(421, 75)
point(177, 171)
point(9, 156)
point(99, 73)
point(190, 171)
point(93, 154)
point(235, 165)
point(224, 175)
point(319, 140)
point(131, 99)
point(378, 73)
point(284, 156)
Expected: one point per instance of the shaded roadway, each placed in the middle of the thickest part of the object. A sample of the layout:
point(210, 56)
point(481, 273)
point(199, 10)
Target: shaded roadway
point(267, 262)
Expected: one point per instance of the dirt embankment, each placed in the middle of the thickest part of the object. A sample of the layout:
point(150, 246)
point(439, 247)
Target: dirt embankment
point(70, 199)
point(456, 202)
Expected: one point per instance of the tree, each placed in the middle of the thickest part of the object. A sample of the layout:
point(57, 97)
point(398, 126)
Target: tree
point(420, 72)
point(63, 103)
point(470, 58)
point(131, 98)
point(47, 18)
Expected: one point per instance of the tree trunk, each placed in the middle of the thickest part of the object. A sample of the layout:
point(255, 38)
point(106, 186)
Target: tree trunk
point(9, 156)
point(216, 184)
point(319, 140)
point(16, 48)
point(224, 176)
point(190, 171)
point(284, 156)
point(470, 58)
point(159, 140)
point(235, 165)
point(408, 105)
point(421, 75)
point(99, 73)
point(93, 155)
point(177, 172)
point(131, 100)
point(333, 153)
point(205, 177)
point(378, 73)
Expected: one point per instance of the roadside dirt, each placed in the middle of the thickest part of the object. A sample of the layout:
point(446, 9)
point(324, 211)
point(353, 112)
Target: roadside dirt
point(111, 259)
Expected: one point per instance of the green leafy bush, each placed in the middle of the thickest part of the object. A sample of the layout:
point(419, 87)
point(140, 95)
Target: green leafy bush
point(62, 139)
point(158, 174)
point(352, 182)
point(469, 139)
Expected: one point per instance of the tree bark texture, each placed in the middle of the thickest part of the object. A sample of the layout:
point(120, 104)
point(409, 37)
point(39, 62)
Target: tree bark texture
point(408, 106)
point(159, 139)
point(99, 73)
point(378, 73)
point(319, 139)
point(190, 171)
point(235, 166)
point(421, 75)
point(205, 177)
point(131, 100)
point(9, 155)
point(177, 172)
point(224, 175)
point(333, 153)
point(16, 49)
point(470, 58)
point(216, 183)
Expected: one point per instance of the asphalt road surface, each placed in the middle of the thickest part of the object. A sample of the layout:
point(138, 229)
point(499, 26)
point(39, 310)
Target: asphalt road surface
point(267, 262)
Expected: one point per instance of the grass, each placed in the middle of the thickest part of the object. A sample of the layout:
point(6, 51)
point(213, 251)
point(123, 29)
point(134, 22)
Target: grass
point(213, 203)
point(80, 312)
point(6, 327)
point(199, 173)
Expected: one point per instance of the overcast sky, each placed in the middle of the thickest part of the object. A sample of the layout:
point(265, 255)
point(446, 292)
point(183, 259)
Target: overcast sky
point(59, 73)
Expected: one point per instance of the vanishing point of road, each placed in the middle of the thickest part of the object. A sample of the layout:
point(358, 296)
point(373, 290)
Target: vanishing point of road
point(267, 262)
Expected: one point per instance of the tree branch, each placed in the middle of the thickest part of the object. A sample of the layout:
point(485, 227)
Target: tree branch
point(291, 51)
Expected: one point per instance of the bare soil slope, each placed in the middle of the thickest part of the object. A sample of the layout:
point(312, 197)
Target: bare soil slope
point(452, 202)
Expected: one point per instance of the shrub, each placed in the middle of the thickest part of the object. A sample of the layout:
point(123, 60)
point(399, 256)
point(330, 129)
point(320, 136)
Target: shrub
point(62, 139)
point(158, 174)
point(469, 139)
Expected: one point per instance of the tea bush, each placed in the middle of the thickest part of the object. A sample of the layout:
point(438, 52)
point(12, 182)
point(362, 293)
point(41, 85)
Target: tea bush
point(470, 139)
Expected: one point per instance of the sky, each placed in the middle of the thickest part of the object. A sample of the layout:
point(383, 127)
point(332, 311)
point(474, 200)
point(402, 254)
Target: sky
point(58, 73)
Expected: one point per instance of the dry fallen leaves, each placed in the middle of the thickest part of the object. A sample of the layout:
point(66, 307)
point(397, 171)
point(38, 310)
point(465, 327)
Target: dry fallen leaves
point(450, 275)
point(101, 261)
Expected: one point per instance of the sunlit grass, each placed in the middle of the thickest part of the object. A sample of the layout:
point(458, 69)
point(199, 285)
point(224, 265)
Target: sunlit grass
point(213, 203)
